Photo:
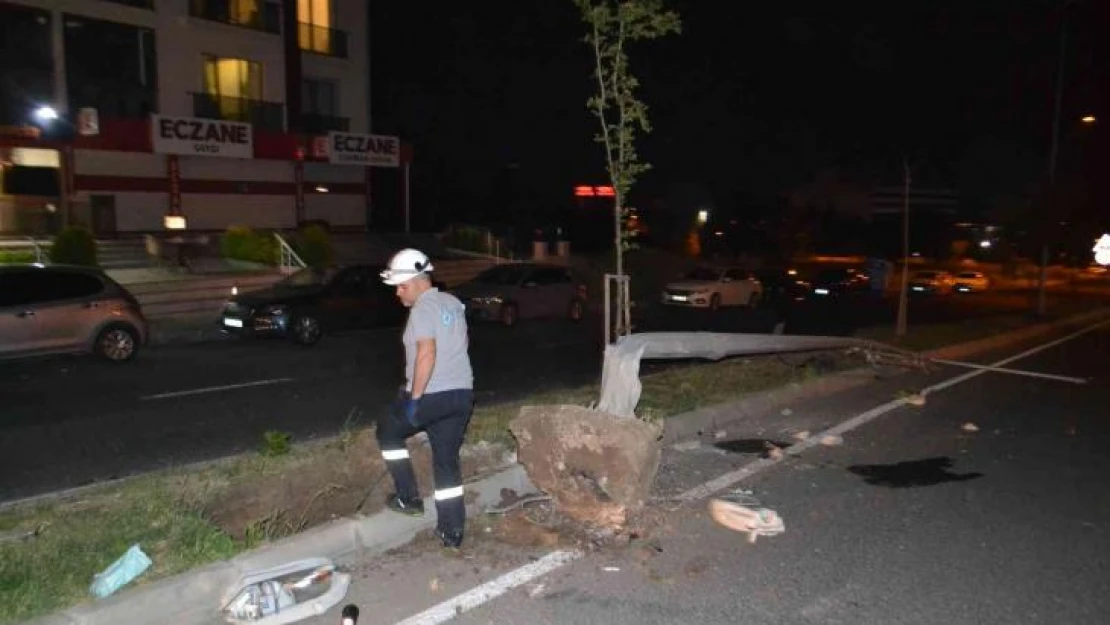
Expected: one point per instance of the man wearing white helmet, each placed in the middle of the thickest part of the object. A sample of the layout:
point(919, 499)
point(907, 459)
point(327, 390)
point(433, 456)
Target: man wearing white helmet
point(438, 396)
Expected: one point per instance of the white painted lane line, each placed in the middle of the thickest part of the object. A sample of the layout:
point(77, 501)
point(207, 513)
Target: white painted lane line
point(1031, 374)
point(217, 389)
point(492, 589)
point(733, 477)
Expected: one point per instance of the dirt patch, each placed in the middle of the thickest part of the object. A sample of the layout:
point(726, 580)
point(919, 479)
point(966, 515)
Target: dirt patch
point(346, 478)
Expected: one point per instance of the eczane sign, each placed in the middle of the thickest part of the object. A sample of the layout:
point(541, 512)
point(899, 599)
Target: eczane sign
point(201, 137)
point(367, 150)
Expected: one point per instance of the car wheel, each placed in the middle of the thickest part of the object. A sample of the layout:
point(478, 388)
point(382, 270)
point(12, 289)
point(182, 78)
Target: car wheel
point(117, 343)
point(306, 330)
point(509, 315)
point(577, 310)
point(715, 302)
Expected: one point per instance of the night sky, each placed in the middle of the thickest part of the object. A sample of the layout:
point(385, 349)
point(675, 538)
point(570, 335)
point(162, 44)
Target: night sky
point(750, 100)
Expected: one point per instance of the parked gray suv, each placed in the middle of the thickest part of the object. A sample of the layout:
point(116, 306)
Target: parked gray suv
point(62, 309)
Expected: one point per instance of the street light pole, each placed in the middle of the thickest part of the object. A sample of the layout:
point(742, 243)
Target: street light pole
point(1054, 151)
point(903, 292)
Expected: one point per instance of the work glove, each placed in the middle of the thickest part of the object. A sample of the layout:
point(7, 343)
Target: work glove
point(410, 407)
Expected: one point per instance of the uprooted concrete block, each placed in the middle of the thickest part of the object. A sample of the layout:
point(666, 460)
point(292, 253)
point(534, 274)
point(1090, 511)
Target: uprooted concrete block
point(596, 466)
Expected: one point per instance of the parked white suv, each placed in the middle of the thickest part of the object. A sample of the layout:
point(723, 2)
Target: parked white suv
point(710, 287)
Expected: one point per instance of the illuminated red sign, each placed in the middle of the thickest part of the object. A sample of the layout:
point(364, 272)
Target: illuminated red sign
point(588, 191)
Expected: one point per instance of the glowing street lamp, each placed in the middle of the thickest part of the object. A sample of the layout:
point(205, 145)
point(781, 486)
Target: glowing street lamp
point(1102, 250)
point(46, 113)
point(1088, 119)
point(703, 216)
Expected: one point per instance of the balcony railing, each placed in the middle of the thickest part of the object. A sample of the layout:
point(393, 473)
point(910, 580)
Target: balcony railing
point(322, 40)
point(264, 115)
point(317, 123)
point(266, 19)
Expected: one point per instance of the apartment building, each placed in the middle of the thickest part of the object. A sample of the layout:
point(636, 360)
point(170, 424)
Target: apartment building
point(137, 115)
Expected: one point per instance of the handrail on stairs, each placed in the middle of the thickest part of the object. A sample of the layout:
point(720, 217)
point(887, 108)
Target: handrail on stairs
point(38, 249)
point(288, 260)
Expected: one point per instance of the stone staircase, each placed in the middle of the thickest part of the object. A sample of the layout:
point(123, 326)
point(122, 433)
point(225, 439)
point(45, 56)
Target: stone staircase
point(129, 253)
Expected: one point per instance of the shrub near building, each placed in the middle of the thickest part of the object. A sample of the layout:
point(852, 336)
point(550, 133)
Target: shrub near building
point(243, 243)
point(74, 246)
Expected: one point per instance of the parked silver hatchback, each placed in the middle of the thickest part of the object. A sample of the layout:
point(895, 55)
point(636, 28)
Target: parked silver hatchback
point(56, 309)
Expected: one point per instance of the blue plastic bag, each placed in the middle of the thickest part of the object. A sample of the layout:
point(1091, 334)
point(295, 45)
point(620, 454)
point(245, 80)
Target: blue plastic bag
point(130, 565)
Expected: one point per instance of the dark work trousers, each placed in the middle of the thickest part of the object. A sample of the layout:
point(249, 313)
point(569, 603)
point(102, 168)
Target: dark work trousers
point(444, 416)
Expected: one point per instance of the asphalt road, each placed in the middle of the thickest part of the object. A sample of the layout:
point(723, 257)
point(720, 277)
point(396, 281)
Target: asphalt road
point(912, 520)
point(73, 421)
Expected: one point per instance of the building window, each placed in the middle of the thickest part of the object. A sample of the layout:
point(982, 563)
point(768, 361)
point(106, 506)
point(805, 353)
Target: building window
point(233, 83)
point(315, 17)
point(319, 97)
point(255, 14)
point(26, 63)
point(110, 67)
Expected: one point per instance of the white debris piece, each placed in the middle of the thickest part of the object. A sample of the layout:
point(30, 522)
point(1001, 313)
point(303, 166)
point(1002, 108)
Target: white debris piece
point(786, 412)
point(754, 522)
point(969, 427)
point(686, 446)
point(801, 436)
point(830, 440)
point(720, 435)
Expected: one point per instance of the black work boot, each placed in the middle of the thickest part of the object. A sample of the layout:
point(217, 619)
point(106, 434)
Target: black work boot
point(413, 506)
point(451, 539)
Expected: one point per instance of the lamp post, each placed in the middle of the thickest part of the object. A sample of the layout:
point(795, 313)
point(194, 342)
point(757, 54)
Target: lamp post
point(903, 292)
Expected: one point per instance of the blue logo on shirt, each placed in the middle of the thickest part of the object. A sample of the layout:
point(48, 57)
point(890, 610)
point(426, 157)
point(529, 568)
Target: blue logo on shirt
point(447, 318)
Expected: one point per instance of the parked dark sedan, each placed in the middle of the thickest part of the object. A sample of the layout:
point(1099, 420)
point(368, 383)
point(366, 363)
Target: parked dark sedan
point(841, 282)
point(313, 302)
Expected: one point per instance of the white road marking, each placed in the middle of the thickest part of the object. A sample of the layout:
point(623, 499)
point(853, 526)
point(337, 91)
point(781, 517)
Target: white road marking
point(217, 389)
point(475, 597)
point(1031, 374)
point(729, 479)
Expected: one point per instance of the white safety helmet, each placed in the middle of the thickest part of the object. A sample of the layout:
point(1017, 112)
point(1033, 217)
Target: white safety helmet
point(406, 265)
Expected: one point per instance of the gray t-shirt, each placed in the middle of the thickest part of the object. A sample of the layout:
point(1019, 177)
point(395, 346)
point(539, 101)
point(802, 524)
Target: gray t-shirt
point(442, 317)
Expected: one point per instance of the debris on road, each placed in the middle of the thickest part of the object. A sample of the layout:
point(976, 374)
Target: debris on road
point(536, 590)
point(686, 446)
point(611, 569)
point(720, 435)
point(774, 452)
point(753, 522)
point(433, 584)
point(830, 440)
point(969, 427)
point(288, 593)
point(130, 565)
point(786, 412)
point(801, 436)
point(916, 399)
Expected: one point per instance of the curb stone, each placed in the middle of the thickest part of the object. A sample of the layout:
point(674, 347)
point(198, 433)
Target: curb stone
point(195, 597)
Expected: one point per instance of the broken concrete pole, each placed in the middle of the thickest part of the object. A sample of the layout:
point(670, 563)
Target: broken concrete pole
point(596, 466)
